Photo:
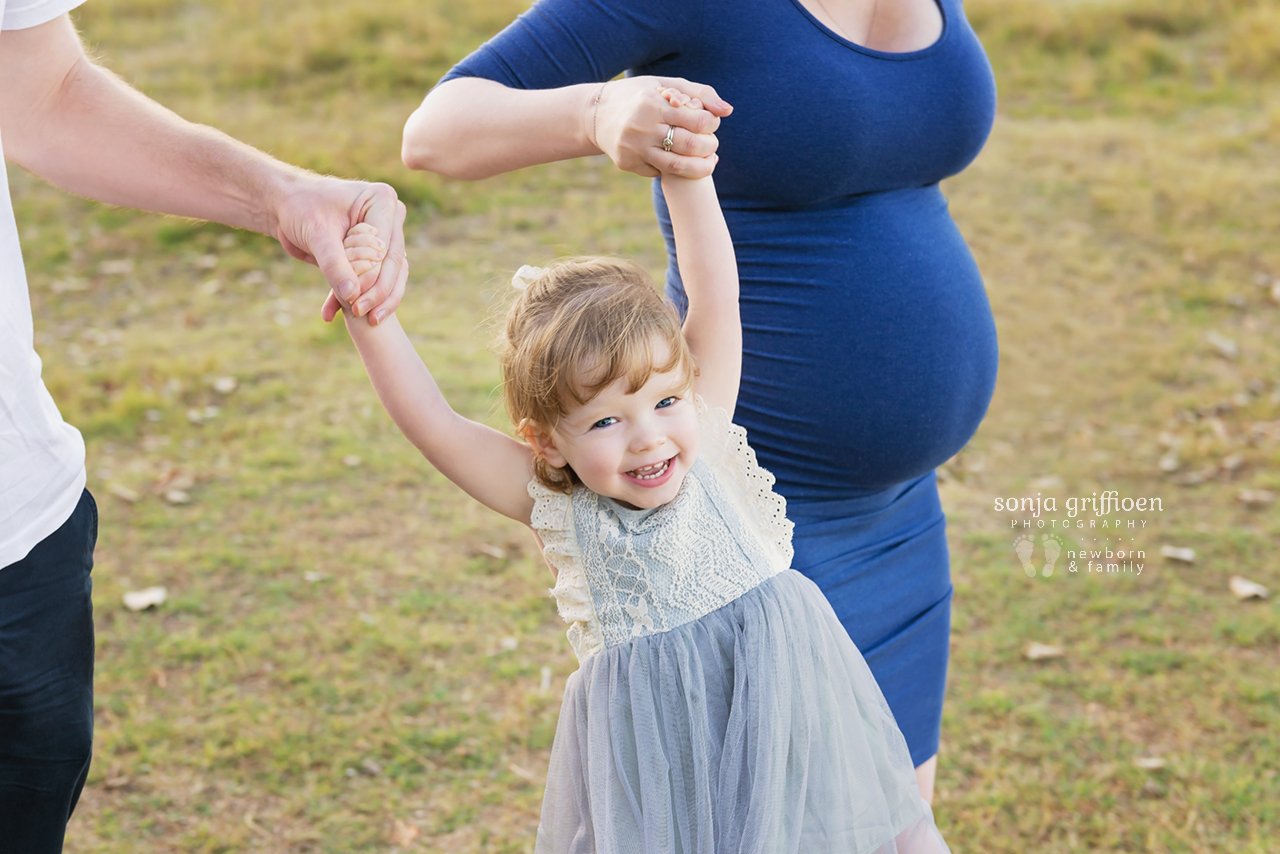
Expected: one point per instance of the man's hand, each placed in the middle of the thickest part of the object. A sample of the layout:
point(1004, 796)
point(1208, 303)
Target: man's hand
point(313, 221)
point(78, 126)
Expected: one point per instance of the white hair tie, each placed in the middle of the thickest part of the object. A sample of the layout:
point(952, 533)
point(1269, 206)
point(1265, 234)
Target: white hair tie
point(525, 276)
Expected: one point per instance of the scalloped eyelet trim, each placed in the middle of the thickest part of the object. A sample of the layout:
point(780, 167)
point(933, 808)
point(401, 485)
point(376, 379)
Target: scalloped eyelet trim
point(736, 461)
point(552, 518)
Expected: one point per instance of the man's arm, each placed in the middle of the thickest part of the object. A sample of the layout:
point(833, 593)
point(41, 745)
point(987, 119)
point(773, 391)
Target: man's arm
point(80, 127)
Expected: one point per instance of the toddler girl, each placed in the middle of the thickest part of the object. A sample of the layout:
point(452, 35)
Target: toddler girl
point(719, 705)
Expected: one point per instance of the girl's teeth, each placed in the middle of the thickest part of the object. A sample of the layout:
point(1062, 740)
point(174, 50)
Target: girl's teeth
point(650, 472)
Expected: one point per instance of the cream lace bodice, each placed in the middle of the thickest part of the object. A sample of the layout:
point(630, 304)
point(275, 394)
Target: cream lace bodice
point(623, 574)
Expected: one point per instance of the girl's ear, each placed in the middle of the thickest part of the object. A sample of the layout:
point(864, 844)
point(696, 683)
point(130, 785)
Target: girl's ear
point(542, 442)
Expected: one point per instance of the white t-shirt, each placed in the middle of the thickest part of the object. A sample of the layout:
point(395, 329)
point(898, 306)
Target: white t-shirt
point(41, 456)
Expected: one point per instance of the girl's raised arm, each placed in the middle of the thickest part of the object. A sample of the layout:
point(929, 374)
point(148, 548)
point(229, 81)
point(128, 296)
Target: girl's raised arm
point(712, 325)
point(492, 468)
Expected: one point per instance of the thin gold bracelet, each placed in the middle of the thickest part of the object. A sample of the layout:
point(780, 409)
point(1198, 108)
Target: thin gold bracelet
point(595, 108)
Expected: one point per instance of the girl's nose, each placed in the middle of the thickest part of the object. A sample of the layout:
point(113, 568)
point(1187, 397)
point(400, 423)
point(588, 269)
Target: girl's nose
point(646, 439)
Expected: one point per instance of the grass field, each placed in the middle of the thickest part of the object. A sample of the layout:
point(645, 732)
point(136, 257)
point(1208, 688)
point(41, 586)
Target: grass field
point(355, 658)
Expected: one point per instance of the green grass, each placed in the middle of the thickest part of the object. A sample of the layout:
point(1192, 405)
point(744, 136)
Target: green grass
point(341, 649)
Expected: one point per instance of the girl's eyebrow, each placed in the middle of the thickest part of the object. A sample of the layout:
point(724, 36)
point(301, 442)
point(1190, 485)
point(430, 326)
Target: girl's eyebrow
point(585, 418)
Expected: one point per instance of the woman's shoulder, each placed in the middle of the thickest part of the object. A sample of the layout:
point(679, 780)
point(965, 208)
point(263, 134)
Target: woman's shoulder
point(563, 42)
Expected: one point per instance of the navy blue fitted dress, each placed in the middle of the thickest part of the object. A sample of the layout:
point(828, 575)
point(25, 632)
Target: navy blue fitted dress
point(869, 346)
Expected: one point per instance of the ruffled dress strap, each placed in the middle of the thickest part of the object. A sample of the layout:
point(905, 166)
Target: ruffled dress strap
point(552, 519)
point(747, 483)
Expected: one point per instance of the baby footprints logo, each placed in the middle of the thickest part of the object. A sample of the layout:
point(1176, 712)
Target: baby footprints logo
point(1025, 547)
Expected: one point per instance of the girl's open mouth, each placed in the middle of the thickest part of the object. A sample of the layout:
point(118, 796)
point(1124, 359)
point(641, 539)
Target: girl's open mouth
point(652, 475)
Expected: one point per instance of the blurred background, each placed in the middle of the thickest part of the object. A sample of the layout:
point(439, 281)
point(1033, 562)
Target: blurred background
point(353, 657)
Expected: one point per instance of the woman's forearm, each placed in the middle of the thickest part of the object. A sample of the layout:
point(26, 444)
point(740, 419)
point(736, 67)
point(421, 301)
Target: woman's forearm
point(472, 128)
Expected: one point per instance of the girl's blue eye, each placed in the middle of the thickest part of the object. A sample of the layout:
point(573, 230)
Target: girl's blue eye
point(603, 422)
point(665, 402)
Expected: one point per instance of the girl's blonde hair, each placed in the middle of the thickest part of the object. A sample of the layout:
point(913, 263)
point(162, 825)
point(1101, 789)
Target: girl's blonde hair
point(577, 328)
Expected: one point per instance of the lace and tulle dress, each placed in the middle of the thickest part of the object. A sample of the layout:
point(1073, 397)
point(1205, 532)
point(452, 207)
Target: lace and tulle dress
point(719, 705)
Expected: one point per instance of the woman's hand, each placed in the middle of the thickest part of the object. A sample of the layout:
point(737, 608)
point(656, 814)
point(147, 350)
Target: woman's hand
point(632, 117)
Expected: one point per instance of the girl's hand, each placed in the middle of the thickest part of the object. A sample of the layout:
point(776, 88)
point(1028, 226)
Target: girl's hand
point(632, 117)
point(365, 251)
point(676, 98)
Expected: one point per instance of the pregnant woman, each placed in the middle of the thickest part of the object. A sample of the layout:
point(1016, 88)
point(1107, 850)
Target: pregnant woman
point(869, 346)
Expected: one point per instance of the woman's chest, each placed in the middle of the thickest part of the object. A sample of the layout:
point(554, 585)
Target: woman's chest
point(900, 26)
point(819, 117)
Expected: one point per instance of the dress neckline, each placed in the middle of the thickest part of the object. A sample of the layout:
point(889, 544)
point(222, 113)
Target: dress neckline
point(882, 54)
point(630, 516)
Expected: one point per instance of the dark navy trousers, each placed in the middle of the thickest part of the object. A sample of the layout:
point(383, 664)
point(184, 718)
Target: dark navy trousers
point(46, 684)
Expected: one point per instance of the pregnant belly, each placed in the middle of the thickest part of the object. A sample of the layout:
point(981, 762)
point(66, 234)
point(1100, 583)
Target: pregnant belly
point(869, 346)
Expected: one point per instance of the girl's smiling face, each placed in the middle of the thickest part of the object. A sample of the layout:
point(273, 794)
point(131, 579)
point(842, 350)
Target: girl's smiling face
point(633, 446)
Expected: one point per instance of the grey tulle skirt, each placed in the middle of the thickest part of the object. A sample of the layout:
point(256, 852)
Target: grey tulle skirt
point(757, 729)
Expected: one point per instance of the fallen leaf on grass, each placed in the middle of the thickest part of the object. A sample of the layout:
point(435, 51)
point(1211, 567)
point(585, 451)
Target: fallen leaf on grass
point(173, 479)
point(525, 774)
point(1243, 588)
point(140, 600)
point(1222, 345)
point(1256, 497)
point(351, 460)
point(177, 496)
point(1264, 432)
point(1039, 651)
point(403, 833)
point(1175, 553)
point(1195, 478)
point(1149, 763)
point(1233, 462)
point(494, 552)
point(249, 822)
point(117, 782)
point(1104, 771)
point(122, 267)
point(225, 385)
point(119, 490)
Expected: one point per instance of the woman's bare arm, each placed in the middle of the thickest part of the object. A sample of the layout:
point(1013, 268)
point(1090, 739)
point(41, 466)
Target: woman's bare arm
point(472, 128)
